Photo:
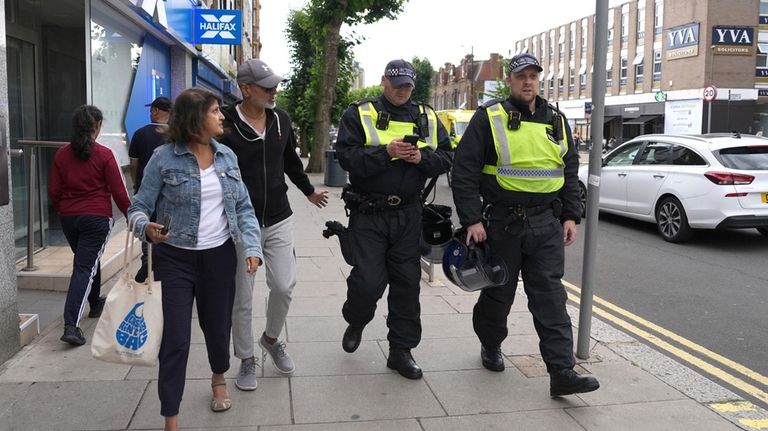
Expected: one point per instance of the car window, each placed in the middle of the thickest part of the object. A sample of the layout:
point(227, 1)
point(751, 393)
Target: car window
point(655, 153)
point(624, 155)
point(685, 156)
point(747, 158)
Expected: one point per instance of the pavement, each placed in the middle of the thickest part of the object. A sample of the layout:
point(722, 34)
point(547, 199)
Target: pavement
point(51, 386)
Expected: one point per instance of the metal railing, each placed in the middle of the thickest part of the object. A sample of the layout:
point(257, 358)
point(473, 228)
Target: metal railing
point(33, 194)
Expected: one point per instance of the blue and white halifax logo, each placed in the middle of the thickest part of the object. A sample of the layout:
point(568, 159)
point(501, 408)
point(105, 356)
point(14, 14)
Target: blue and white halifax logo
point(218, 26)
point(132, 332)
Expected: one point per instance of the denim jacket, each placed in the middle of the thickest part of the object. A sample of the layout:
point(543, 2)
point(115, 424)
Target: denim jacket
point(171, 187)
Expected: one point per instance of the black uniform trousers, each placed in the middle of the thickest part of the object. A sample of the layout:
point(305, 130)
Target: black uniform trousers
point(206, 277)
point(534, 247)
point(385, 248)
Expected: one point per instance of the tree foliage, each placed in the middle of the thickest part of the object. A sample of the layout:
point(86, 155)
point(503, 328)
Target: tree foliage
point(363, 93)
point(500, 92)
point(424, 76)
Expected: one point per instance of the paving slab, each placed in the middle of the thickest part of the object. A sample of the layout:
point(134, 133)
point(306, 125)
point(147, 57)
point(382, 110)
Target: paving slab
point(353, 398)
point(446, 326)
point(540, 420)
point(320, 289)
point(305, 329)
point(10, 393)
point(385, 425)
point(329, 359)
point(514, 345)
point(64, 406)
point(267, 405)
point(656, 416)
point(483, 391)
point(625, 384)
point(445, 354)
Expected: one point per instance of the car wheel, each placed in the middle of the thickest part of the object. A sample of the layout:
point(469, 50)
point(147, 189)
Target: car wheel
point(672, 221)
point(763, 230)
point(583, 199)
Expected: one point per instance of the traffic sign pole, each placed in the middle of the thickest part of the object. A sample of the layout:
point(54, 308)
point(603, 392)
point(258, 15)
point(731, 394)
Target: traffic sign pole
point(710, 94)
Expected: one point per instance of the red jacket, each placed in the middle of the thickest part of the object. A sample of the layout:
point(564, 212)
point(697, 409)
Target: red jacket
point(83, 187)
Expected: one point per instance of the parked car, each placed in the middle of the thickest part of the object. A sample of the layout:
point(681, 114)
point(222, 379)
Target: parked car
point(686, 182)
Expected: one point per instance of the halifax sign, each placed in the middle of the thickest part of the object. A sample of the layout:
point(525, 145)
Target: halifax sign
point(218, 26)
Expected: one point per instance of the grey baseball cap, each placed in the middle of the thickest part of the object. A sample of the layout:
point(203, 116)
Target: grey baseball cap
point(255, 71)
point(519, 62)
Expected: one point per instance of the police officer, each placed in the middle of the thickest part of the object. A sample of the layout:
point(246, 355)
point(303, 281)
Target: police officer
point(518, 155)
point(387, 175)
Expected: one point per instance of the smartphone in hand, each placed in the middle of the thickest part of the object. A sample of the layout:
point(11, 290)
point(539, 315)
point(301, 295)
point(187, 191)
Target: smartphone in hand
point(411, 139)
point(166, 225)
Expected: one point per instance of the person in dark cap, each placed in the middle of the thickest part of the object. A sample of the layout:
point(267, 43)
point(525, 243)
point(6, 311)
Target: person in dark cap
point(390, 145)
point(515, 185)
point(143, 143)
point(261, 136)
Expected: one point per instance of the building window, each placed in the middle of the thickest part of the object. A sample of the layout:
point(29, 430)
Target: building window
point(640, 22)
point(624, 23)
point(610, 27)
point(639, 63)
point(763, 7)
point(572, 40)
point(535, 50)
point(583, 81)
point(762, 55)
point(542, 46)
point(623, 71)
point(658, 16)
point(561, 42)
point(657, 65)
point(608, 73)
point(551, 91)
point(584, 35)
point(541, 88)
point(551, 45)
point(571, 80)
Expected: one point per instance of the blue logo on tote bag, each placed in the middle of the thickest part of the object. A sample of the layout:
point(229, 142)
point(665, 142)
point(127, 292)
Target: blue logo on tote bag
point(132, 332)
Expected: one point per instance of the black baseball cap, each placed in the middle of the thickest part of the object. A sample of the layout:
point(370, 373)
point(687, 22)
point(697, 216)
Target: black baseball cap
point(521, 61)
point(400, 72)
point(161, 103)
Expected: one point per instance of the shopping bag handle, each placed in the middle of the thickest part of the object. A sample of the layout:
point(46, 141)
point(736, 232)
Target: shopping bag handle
point(129, 252)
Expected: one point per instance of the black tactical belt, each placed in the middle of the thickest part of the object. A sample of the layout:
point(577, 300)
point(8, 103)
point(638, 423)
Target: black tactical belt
point(518, 211)
point(368, 203)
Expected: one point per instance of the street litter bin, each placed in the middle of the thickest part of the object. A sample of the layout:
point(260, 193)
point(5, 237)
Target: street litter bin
point(335, 176)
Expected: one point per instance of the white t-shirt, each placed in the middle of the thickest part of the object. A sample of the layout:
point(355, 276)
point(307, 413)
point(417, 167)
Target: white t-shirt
point(245, 120)
point(213, 230)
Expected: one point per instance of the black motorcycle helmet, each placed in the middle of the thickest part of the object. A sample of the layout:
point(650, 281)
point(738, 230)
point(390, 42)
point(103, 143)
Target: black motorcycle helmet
point(472, 267)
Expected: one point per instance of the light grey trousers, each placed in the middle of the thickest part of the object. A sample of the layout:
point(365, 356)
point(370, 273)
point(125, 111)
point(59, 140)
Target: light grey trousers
point(280, 267)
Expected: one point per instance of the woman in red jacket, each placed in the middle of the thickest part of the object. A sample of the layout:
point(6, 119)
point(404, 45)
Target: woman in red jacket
point(84, 179)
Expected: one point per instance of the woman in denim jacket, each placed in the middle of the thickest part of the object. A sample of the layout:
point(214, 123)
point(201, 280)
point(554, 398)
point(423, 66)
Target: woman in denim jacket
point(194, 186)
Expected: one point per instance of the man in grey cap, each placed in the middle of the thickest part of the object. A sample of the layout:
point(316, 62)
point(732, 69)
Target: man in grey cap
point(143, 144)
point(261, 136)
point(518, 155)
point(390, 145)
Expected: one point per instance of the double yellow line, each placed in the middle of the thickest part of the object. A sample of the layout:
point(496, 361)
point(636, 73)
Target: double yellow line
point(641, 328)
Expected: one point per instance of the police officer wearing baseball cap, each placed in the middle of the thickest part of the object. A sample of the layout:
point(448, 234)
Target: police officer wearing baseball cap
point(387, 175)
point(515, 185)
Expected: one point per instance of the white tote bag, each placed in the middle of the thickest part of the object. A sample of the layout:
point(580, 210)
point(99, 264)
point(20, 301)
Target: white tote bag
point(130, 328)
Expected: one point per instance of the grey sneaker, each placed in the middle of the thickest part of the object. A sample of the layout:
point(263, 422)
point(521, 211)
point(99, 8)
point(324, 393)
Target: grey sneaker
point(246, 378)
point(279, 356)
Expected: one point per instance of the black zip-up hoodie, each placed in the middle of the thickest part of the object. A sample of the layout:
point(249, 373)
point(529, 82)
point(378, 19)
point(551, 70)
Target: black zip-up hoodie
point(264, 165)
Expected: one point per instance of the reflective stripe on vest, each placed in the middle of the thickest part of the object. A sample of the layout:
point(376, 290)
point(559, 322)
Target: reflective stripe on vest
point(396, 129)
point(528, 160)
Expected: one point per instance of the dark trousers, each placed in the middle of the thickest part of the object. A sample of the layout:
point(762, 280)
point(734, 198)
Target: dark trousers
point(386, 252)
point(86, 235)
point(208, 278)
point(535, 248)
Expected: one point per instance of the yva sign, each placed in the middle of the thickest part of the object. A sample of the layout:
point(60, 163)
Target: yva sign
point(218, 26)
point(730, 40)
point(683, 41)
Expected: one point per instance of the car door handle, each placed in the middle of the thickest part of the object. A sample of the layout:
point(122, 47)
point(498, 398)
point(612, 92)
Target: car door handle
point(658, 176)
point(622, 174)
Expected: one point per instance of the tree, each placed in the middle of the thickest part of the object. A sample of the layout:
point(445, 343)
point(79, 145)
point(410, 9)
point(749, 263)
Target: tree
point(424, 75)
point(363, 93)
point(330, 15)
point(500, 92)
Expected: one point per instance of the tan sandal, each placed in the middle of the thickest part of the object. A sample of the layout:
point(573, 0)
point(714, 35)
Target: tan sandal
point(220, 404)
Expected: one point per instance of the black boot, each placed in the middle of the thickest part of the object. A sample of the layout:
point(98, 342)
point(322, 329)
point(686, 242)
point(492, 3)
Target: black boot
point(567, 382)
point(73, 335)
point(492, 358)
point(402, 361)
point(352, 337)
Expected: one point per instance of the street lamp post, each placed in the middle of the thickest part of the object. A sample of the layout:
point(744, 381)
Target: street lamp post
point(472, 77)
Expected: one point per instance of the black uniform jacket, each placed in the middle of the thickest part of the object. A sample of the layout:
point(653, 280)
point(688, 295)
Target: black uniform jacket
point(476, 149)
point(264, 165)
point(371, 168)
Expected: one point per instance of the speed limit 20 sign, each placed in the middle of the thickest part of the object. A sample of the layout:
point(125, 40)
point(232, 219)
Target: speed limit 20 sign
point(710, 93)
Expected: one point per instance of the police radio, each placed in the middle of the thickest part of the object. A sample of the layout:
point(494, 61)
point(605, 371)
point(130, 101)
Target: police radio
point(382, 123)
point(423, 125)
point(513, 123)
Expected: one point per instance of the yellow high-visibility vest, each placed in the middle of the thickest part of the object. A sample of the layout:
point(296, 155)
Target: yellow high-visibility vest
point(528, 159)
point(396, 129)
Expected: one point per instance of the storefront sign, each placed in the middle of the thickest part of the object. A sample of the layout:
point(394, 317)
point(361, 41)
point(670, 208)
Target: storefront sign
point(218, 26)
point(683, 117)
point(660, 96)
point(683, 41)
point(731, 40)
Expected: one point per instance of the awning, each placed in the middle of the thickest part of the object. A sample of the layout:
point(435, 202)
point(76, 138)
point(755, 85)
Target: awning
point(638, 59)
point(560, 73)
point(608, 118)
point(641, 119)
point(550, 74)
point(583, 68)
point(763, 48)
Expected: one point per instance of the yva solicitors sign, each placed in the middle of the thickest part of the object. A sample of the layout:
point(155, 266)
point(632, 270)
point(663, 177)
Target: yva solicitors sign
point(732, 40)
point(683, 41)
point(218, 26)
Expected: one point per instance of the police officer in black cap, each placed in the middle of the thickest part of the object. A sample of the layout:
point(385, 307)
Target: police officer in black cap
point(390, 145)
point(515, 185)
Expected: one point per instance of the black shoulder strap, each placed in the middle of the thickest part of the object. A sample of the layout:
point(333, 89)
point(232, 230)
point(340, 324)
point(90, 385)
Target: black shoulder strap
point(428, 189)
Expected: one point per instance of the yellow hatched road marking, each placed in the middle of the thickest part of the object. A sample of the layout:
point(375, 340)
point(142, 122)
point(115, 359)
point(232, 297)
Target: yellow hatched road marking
point(705, 366)
point(733, 407)
point(671, 335)
point(759, 424)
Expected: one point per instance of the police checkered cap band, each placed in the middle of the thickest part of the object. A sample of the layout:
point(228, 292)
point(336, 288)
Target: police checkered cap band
point(400, 72)
point(521, 61)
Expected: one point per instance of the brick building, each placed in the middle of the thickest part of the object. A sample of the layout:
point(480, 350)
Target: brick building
point(465, 86)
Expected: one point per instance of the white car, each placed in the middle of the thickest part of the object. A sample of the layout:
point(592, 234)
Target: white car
point(685, 182)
